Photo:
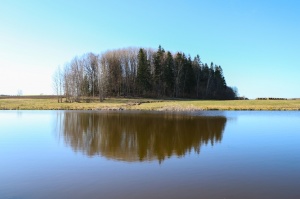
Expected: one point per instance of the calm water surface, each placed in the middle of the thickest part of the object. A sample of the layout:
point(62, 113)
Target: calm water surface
point(213, 154)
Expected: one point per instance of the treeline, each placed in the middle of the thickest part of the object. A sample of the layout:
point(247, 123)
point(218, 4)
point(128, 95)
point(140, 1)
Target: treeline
point(270, 98)
point(133, 72)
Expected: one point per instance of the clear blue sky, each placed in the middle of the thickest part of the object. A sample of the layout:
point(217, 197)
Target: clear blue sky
point(256, 42)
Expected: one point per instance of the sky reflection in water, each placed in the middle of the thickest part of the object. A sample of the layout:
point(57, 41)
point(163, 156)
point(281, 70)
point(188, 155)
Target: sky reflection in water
point(80, 154)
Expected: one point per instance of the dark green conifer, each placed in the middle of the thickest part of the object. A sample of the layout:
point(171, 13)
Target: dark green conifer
point(143, 73)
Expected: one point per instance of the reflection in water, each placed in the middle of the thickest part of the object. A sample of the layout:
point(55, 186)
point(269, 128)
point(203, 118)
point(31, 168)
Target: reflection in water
point(138, 136)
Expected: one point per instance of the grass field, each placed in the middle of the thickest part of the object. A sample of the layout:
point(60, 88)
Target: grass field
point(50, 103)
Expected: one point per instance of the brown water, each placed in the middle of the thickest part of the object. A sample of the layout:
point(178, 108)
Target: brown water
point(81, 154)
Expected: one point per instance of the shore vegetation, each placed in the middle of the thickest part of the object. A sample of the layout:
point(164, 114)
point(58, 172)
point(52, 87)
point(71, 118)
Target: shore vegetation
point(147, 104)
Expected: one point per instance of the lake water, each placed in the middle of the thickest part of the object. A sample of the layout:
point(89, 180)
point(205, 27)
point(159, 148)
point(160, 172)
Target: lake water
point(88, 154)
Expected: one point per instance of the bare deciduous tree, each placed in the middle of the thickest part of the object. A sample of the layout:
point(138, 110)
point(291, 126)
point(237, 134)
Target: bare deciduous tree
point(58, 83)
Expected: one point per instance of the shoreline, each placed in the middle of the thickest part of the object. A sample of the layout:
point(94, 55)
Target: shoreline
point(140, 104)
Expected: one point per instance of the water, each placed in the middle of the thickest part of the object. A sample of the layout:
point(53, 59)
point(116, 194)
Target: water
point(86, 154)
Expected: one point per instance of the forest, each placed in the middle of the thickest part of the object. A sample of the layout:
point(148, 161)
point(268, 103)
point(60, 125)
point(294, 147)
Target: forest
point(140, 72)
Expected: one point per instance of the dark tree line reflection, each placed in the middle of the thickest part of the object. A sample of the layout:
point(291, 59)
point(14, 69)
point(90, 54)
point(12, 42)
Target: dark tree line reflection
point(138, 136)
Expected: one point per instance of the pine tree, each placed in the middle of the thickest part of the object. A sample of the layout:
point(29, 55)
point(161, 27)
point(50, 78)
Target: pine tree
point(189, 86)
point(158, 61)
point(168, 77)
point(179, 74)
point(143, 73)
point(197, 67)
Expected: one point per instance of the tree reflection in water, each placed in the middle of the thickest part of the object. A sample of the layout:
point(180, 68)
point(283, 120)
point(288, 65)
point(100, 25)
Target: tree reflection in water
point(138, 136)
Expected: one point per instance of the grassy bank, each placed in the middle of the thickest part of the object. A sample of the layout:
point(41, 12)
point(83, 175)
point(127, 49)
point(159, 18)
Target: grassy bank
point(27, 103)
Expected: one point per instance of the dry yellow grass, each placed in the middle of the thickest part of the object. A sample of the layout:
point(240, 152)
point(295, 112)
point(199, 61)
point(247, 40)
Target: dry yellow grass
point(148, 104)
point(225, 105)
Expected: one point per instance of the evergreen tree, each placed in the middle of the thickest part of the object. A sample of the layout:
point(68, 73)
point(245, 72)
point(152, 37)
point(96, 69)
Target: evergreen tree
point(179, 74)
point(168, 77)
point(189, 84)
point(143, 73)
point(220, 82)
point(158, 61)
point(197, 67)
point(210, 82)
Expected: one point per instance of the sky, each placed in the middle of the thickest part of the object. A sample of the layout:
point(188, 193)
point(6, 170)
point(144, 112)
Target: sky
point(256, 42)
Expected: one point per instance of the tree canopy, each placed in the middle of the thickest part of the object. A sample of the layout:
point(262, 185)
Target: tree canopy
point(142, 72)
